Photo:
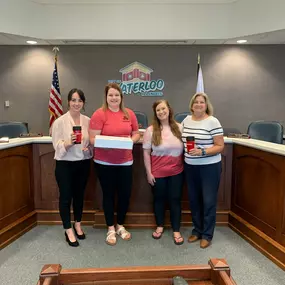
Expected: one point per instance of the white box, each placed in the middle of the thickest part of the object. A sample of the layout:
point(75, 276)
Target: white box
point(113, 142)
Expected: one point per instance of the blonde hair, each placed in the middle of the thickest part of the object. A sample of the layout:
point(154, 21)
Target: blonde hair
point(117, 87)
point(209, 110)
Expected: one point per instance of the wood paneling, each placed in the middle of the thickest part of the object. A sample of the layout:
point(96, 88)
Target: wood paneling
point(17, 228)
point(258, 189)
point(46, 190)
point(16, 193)
point(147, 220)
point(258, 200)
point(52, 217)
point(141, 204)
point(262, 242)
point(46, 195)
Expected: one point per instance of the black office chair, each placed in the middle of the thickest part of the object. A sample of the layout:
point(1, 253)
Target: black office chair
point(179, 117)
point(266, 131)
point(13, 129)
point(142, 119)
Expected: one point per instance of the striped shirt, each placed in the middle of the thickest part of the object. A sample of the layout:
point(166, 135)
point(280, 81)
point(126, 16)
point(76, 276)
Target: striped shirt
point(203, 131)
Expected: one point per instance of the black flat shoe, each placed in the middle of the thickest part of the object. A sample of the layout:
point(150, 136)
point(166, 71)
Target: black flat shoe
point(71, 243)
point(79, 236)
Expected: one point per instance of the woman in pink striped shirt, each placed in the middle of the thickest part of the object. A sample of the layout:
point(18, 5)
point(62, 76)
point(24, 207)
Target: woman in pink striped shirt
point(163, 159)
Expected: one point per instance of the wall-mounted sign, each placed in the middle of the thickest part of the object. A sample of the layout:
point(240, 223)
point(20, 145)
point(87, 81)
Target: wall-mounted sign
point(136, 79)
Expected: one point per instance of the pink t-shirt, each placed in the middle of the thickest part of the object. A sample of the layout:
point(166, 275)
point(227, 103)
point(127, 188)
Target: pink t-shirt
point(114, 124)
point(166, 158)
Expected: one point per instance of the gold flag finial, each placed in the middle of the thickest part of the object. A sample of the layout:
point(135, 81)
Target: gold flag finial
point(55, 50)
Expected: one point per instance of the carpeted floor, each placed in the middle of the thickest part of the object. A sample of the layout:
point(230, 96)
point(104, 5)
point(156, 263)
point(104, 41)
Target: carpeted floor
point(21, 261)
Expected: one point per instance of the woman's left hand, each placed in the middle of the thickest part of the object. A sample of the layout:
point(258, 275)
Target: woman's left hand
point(195, 152)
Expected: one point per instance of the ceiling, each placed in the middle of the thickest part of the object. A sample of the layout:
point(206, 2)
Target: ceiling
point(276, 37)
point(184, 26)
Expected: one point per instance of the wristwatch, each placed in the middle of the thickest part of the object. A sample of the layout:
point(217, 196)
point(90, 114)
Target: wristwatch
point(203, 151)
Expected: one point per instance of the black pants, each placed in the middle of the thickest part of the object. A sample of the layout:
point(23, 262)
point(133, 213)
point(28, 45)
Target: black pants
point(115, 179)
point(168, 188)
point(203, 185)
point(71, 177)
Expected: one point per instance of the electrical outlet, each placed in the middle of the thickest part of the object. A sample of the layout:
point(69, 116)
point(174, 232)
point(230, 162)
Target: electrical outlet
point(7, 103)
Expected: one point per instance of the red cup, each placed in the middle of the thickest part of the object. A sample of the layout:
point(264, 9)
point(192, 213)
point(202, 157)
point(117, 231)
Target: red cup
point(190, 143)
point(77, 132)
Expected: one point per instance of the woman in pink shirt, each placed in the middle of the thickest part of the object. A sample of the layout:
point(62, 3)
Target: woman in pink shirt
point(163, 159)
point(72, 163)
point(114, 166)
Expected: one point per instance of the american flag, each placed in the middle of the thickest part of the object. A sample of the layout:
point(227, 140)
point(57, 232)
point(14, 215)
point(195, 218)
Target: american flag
point(55, 103)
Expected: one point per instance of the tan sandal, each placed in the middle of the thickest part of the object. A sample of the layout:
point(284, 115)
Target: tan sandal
point(111, 237)
point(123, 233)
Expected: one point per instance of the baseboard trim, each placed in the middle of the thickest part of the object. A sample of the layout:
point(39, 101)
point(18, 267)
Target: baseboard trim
point(263, 243)
point(52, 217)
point(146, 220)
point(17, 229)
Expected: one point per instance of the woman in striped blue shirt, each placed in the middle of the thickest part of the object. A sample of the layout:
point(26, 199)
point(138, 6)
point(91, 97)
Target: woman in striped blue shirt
point(203, 166)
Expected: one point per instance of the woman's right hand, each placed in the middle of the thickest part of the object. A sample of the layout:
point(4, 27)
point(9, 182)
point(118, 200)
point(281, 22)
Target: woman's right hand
point(71, 141)
point(150, 179)
point(72, 138)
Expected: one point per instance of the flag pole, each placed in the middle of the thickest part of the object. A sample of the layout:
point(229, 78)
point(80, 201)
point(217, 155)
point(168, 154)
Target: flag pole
point(198, 64)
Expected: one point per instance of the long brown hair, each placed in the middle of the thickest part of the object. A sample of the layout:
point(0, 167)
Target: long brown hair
point(117, 87)
point(156, 125)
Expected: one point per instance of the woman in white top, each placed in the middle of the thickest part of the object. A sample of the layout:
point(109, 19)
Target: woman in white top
point(203, 166)
point(72, 164)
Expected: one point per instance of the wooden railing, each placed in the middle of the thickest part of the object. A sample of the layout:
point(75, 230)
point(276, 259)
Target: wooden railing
point(217, 272)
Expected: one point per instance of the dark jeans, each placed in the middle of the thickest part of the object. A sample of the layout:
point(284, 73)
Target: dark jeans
point(168, 188)
point(203, 185)
point(114, 179)
point(71, 177)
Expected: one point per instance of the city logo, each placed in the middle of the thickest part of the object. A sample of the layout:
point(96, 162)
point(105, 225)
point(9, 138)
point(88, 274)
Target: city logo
point(136, 79)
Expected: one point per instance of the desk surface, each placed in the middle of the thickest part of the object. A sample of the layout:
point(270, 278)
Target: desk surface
point(257, 144)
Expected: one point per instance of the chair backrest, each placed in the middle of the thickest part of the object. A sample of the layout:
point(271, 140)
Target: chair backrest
point(13, 129)
point(142, 119)
point(266, 131)
point(179, 117)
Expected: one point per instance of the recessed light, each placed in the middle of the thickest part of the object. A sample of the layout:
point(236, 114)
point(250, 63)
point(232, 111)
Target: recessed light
point(242, 41)
point(31, 42)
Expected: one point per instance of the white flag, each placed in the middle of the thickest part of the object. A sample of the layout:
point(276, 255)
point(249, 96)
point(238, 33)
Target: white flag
point(200, 81)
